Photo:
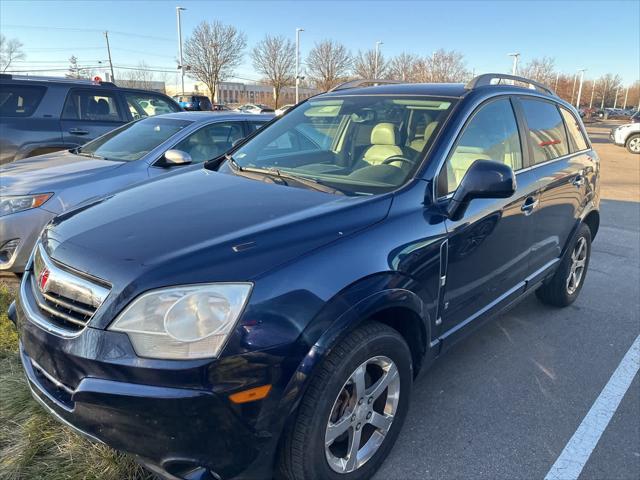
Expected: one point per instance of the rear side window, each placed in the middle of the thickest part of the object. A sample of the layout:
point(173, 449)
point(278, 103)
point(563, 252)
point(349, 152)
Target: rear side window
point(576, 137)
point(547, 136)
point(92, 106)
point(20, 100)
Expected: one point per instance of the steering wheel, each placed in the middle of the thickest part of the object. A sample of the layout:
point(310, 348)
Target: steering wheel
point(398, 158)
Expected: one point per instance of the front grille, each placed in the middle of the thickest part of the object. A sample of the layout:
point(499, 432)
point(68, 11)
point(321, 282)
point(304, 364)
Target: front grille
point(64, 299)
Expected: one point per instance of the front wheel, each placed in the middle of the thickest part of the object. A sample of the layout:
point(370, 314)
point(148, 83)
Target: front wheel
point(353, 410)
point(565, 285)
point(633, 143)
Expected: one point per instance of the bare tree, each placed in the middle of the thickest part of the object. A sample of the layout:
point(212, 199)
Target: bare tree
point(10, 51)
point(364, 65)
point(275, 58)
point(542, 70)
point(141, 78)
point(213, 52)
point(447, 66)
point(403, 67)
point(328, 64)
point(422, 70)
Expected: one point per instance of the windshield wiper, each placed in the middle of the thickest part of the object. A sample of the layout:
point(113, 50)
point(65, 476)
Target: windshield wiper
point(283, 176)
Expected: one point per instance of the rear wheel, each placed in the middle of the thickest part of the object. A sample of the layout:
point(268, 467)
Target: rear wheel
point(353, 410)
point(633, 143)
point(565, 285)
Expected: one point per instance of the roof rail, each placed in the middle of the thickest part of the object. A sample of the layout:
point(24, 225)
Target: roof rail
point(37, 78)
point(361, 82)
point(487, 78)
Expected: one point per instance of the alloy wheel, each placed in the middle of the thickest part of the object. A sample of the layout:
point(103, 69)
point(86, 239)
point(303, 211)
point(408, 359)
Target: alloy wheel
point(362, 414)
point(578, 262)
point(634, 145)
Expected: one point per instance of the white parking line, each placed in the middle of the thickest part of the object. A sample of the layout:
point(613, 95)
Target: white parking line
point(576, 453)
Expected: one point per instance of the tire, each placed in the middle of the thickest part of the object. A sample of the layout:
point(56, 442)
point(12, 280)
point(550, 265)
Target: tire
point(331, 398)
point(633, 143)
point(560, 290)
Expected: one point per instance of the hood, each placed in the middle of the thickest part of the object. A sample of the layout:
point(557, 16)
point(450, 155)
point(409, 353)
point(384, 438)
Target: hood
point(50, 172)
point(202, 226)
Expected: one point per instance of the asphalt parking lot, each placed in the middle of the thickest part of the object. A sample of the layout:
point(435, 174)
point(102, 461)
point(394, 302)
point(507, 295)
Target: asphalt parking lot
point(504, 403)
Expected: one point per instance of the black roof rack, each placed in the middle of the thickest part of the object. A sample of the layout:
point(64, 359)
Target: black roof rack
point(38, 78)
point(487, 78)
point(361, 82)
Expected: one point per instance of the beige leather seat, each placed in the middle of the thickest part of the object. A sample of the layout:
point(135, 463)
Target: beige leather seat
point(419, 143)
point(383, 144)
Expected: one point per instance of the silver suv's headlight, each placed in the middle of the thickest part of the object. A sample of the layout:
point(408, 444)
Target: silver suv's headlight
point(186, 322)
point(18, 203)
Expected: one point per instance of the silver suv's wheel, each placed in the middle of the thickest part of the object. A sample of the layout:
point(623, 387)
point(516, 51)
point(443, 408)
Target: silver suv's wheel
point(362, 414)
point(578, 262)
point(353, 409)
point(633, 144)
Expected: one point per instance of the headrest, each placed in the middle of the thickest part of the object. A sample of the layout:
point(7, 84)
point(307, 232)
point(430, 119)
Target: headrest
point(383, 134)
point(102, 108)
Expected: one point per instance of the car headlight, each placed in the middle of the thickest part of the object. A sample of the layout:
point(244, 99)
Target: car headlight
point(18, 203)
point(186, 322)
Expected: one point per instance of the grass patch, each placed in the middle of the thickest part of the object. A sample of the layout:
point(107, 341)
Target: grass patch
point(32, 444)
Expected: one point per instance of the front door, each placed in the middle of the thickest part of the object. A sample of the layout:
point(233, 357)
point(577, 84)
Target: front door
point(88, 114)
point(488, 247)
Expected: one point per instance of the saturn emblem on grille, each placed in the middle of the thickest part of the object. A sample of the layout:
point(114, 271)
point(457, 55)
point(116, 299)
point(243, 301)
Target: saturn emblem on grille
point(44, 279)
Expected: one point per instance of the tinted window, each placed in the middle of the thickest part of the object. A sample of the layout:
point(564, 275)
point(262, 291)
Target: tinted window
point(92, 106)
point(147, 105)
point(134, 140)
point(19, 100)
point(253, 126)
point(547, 135)
point(576, 138)
point(491, 134)
point(211, 141)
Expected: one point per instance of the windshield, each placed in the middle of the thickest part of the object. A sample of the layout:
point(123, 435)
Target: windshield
point(355, 144)
point(133, 140)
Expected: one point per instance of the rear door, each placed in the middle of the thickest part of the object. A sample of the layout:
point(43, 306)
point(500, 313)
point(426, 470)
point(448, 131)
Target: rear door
point(563, 169)
point(89, 113)
point(488, 247)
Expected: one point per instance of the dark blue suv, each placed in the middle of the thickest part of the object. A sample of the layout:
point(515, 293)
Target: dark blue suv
point(265, 314)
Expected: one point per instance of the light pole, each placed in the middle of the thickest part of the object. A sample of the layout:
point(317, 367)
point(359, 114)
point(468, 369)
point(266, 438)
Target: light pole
point(626, 96)
point(298, 30)
point(615, 100)
point(181, 66)
point(514, 68)
point(593, 91)
point(375, 72)
point(580, 87)
point(557, 78)
point(604, 93)
point(573, 90)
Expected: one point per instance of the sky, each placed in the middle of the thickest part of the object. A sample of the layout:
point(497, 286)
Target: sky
point(601, 36)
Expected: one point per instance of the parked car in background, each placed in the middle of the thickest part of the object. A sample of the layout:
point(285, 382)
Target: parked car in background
point(220, 107)
point(45, 114)
point(255, 108)
point(199, 103)
point(35, 190)
point(283, 109)
point(635, 118)
point(264, 315)
point(628, 136)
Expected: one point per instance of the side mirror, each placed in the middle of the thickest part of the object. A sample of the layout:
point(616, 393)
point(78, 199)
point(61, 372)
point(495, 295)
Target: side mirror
point(484, 179)
point(174, 158)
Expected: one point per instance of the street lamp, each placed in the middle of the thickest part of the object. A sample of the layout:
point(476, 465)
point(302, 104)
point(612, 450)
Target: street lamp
point(582, 70)
point(593, 92)
point(516, 56)
point(298, 30)
point(375, 73)
point(181, 66)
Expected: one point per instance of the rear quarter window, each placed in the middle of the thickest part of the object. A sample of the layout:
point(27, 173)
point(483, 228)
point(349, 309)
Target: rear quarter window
point(577, 141)
point(20, 100)
point(547, 135)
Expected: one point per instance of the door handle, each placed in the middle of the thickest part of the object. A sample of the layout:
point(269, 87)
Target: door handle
point(529, 205)
point(578, 181)
point(78, 131)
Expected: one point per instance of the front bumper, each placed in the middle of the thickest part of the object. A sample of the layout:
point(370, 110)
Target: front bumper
point(26, 227)
point(174, 416)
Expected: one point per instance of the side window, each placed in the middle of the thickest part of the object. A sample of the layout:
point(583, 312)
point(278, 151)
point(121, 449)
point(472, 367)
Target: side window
point(576, 137)
point(211, 141)
point(491, 134)
point(253, 126)
point(547, 136)
point(19, 100)
point(147, 105)
point(92, 106)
